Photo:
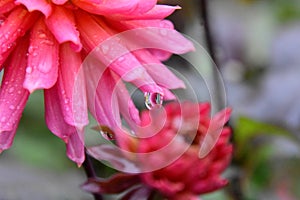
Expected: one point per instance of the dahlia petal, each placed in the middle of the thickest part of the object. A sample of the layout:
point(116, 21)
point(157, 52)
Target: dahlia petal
point(127, 107)
point(15, 26)
point(158, 71)
point(214, 132)
point(7, 138)
point(6, 6)
point(155, 34)
point(40, 5)
point(42, 59)
point(55, 121)
point(62, 24)
point(114, 156)
point(54, 115)
point(111, 7)
point(115, 184)
point(102, 100)
point(75, 148)
point(112, 53)
point(72, 91)
point(59, 2)
point(160, 54)
point(13, 96)
point(168, 95)
point(157, 12)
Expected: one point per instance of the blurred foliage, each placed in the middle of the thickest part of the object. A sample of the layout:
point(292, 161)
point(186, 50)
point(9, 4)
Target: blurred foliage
point(257, 156)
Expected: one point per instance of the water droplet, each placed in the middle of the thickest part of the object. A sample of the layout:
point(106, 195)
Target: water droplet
point(42, 35)
point(153, 100)
point(47, 42)
point(121, 59)
point(106, 132)
point(11, 90)
point(12, 107)
point(44, 68)
point(105, 49)
point(28, 70)
point(107, 135)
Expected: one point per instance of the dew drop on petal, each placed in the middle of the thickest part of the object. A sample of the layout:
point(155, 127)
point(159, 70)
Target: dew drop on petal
point(107, 133)
point(153, 100)
point(11, 90)
point(105, 49)
point(12, 107)
point(28, 70)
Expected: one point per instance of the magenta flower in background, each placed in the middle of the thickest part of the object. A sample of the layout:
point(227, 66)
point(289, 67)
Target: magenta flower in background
point(43, 44)
point(166, 153)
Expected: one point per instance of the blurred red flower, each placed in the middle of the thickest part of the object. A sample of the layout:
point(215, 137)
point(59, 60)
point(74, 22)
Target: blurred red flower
point(167, 147)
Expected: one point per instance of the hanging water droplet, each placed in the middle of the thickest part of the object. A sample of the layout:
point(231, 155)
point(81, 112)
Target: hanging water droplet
point(153, 100)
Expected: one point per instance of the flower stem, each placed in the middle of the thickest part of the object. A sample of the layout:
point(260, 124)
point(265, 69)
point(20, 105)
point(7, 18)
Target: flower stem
point(210, 42)
point(235, 189)
point(90, 172)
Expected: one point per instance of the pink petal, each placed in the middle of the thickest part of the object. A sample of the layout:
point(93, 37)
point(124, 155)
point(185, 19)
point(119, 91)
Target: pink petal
point(112, 53)
point(55, 121)
point(214, 131)
point(6, 6)
point(127, 107)
point(71, 85)
point(160, 54)
point(13, 96)
point(102, 100)
point(15, 26)
point(111, 7)
point(158, 71)
point(154, 34)
point(168, 95)
point(157, 12)
point(54, 115)
point(59, 2)
point(62, 24)
point(75, 148)
point(7, 138)
point(115, 156)
point(40, 5)
point(42, 59)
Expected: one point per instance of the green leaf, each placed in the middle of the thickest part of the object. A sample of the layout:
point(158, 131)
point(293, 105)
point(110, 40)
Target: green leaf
point(247, 129)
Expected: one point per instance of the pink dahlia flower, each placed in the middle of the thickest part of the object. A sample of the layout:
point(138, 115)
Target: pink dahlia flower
point(43, 44)
point(167, 153)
